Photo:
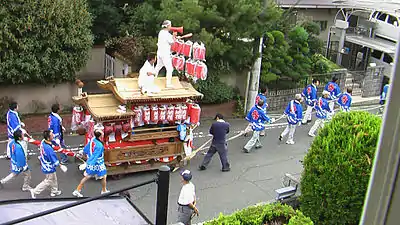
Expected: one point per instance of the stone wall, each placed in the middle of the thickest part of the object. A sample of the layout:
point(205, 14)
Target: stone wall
point(39, 98)
point(372, 82)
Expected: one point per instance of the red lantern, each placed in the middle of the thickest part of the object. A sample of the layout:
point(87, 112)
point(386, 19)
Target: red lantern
point(118, 128)
point(195, 114)
point(154, 114)
point(178, 113)
point(108, 129)
point(202, 52)
point(189, 105)
point(146, 114)
point(138, 121)
point(201, 70)
point(170, 113)
point(178, 62)
point(187, 48)
point(162, 113)
point(199, 51)
point(90, 131)
point(190, 66)
point(126, 127)
point(177, 47)
point(184, 111)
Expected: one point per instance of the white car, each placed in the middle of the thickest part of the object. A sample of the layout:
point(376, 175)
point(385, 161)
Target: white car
point(387, 25)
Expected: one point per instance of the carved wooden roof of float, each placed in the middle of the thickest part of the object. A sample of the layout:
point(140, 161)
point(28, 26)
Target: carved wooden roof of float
point(127, 90)
point(102, 106)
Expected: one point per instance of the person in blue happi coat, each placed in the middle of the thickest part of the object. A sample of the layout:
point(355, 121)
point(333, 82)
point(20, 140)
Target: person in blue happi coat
point(310, 95)
point(384, 94)
point(55, 125)
point(294, 112)
point(19, 163)
point(262, 96)
point(49, 163)
point(258, 119)
point(13, 124)
point(95, 167)
point(345, 99)
point(334, 91)
point(322, 109)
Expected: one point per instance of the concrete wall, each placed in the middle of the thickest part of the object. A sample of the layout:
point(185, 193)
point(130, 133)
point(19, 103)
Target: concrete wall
point(327, 15)
point(37, 98)
point(236, 79)
point(94, 68)
point(119, 67)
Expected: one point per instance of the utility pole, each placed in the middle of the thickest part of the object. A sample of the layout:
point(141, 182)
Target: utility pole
point(255, 77)
point(256, 70)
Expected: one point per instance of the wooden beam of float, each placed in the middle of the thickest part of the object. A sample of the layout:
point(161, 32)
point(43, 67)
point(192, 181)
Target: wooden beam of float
point(102, 107)
point(126, 90)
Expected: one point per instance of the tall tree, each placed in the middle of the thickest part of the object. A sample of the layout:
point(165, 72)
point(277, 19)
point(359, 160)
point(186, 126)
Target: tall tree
point(43, 41)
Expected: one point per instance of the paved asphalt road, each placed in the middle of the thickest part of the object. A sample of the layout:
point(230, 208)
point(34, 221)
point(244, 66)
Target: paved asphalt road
point(253, 177)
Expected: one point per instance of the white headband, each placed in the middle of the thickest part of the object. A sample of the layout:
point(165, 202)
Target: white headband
point(166, 23)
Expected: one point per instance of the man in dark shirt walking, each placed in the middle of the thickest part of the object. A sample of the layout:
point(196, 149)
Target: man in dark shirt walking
point(219, 130)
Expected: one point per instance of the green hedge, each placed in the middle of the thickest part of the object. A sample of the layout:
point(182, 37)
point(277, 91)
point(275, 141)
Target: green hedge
point(337, 169)
point(254, 215)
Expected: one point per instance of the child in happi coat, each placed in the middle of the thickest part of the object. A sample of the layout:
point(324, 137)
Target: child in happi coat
point(334, 91)
point(18, 162)
point(345, 99)
point(322, 109)
point(55, 125)
point(310, 95)
point(49, 163)
point(95, 166)
point(258, 118)
point(294, 112)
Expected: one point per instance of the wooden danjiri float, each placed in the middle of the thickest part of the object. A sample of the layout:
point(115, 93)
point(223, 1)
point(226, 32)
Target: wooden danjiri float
point(141, 132)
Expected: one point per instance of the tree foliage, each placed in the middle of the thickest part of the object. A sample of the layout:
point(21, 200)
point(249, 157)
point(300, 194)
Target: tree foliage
point(337, 169)
point(220, 24)
point(107, 15)
point(43, 41)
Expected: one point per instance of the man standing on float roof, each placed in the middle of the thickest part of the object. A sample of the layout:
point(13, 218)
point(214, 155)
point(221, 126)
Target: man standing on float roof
point(165, 40)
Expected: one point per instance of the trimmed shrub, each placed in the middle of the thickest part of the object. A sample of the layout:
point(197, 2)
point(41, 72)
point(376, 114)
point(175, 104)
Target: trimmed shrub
point(275, 213)
point(337, 169)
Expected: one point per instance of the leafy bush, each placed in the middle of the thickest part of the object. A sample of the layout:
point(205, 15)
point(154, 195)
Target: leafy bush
point(337, 169)
point(214, 90)
point(255, 215)
point(43, 41)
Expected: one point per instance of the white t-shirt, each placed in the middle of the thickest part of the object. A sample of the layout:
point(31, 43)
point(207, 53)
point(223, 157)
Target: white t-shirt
point(164, 43)
point(145, 79)
point(187, 194)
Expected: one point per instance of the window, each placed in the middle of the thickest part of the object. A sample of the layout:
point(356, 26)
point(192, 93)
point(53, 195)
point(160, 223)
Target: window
point(376, 54)
point(387, 58)
point(393, 20)
point(382, 17)
point(323, 24)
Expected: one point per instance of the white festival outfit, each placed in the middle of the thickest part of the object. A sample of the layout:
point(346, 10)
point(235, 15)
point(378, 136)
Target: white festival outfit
point(165, 40)
point(146, 82)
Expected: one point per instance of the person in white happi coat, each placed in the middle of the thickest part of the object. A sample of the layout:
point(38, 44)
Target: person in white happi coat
point(164, 58)
point(147, 74)
point(13, 124)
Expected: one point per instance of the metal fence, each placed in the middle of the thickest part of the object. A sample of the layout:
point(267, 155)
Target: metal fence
point(162, 180)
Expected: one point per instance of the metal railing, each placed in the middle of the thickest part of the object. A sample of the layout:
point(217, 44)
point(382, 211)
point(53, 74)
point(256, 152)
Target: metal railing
point(109, 66)
point(162, 180)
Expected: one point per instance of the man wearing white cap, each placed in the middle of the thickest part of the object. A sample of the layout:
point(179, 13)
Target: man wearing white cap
point(187, 200)
point(165, 40)
point(322, 108)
